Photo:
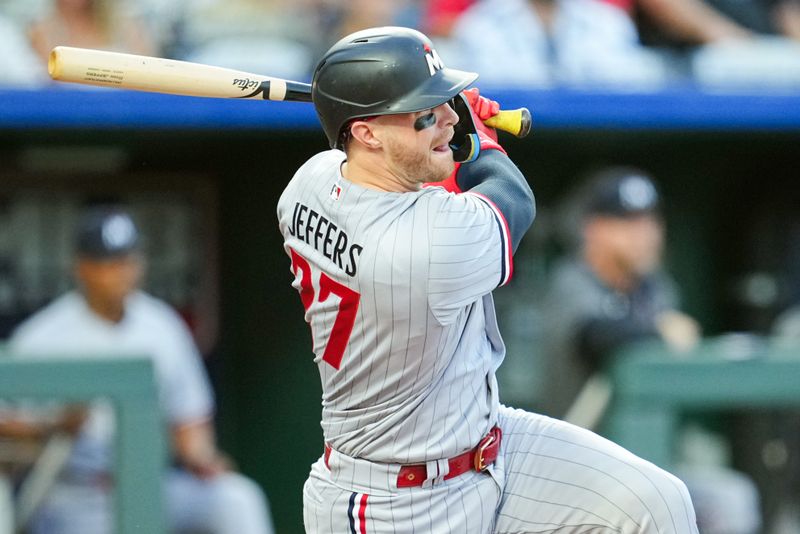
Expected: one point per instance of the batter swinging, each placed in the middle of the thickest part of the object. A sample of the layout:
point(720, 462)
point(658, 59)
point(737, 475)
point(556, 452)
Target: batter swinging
point(395, 275)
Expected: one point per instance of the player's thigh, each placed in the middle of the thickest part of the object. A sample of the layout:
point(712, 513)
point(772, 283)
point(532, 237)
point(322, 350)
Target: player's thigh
point(74, 509)
point(562, 477)
point(227, 503)
point(464, 504)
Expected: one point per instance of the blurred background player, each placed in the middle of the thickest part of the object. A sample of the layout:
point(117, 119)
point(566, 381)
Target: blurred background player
point(613, 292)
point(107, 315)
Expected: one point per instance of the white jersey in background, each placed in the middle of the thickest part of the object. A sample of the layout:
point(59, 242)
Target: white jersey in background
point(396, 288)
point(80, 502)
point(68, 328)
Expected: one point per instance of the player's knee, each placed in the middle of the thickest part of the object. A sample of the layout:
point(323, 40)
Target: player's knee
point(241, 505)
point(664, 504)
point(239, 492)
point(726, 501)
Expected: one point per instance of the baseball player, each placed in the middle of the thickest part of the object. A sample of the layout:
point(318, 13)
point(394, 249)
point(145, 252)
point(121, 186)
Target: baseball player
point(396, 278)
point(108, 316)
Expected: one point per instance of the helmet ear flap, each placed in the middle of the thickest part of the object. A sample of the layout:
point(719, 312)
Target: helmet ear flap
point(466, 145)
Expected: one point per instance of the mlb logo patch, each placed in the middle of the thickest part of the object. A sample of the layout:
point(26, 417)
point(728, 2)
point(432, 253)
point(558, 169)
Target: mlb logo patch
point(336, 192)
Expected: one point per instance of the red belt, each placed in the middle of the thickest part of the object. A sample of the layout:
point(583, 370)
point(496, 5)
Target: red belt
point(479, 459)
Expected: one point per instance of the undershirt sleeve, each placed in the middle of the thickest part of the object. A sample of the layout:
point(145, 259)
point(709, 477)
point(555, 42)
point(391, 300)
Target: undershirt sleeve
point(495, 176)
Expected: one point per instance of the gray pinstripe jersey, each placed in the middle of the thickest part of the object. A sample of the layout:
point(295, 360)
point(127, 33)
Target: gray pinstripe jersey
point(396, 288)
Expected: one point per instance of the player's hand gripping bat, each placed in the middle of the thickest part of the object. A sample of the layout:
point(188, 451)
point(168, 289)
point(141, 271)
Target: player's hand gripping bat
point(159, 75)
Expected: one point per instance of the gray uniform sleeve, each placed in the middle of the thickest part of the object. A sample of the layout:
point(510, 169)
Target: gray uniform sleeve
point(469, 252)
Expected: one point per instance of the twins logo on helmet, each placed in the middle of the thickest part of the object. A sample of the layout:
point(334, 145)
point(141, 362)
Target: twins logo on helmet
point(433, 59)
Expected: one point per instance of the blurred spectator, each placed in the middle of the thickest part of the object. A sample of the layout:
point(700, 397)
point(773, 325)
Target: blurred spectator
point(550, 42)
point(19, 65)
point(101, 24)
point(270, 37)
point(361, 14)
point(439, 16)
point(333, 19)
point(282, 38)
point(108, 315)
point(686, 21)
point(708, 21)
point(611, 294)
point(741, 42)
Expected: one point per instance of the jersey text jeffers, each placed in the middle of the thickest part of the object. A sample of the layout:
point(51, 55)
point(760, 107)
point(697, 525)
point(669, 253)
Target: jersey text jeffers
point(326, 237)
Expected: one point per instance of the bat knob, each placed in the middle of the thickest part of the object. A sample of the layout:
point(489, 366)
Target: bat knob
point(525, 122)
point(514, 121)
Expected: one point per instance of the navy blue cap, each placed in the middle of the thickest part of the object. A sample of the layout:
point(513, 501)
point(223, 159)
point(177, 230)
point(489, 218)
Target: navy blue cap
point(622, 192)
point(105, 233)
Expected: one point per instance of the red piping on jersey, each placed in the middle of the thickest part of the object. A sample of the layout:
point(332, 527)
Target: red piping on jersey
point(508, 252)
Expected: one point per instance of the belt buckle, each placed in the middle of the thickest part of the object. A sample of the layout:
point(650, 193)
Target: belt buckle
point(486, 442)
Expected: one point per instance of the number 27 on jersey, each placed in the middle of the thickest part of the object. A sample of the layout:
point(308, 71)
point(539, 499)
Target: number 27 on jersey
point(325, 289)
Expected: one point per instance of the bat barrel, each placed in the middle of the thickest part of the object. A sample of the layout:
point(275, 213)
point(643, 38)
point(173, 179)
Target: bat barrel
point(159, 75)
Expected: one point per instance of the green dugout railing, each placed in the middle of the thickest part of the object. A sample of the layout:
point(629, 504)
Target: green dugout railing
point(129, 384)
point(652, 387)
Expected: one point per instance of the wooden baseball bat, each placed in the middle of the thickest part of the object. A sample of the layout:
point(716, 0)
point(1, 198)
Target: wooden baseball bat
point(159, 75)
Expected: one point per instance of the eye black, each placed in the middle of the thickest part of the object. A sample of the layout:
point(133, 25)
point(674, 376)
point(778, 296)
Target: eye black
point(426, 121)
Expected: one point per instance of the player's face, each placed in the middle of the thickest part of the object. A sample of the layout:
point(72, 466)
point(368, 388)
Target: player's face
point(639, 243)
point(416, 145)
point(109, 280)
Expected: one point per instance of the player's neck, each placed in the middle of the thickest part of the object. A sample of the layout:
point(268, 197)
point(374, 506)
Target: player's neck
point(609, 271)
point(110, 310)
point(369, 172)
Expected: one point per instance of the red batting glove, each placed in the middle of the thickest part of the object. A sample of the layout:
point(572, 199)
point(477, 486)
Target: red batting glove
point(482, 108)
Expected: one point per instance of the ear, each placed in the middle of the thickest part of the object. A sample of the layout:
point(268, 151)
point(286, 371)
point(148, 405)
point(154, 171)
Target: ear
point(364, 133)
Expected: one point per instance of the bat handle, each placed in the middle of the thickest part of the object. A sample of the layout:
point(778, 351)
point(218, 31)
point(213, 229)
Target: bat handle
point(514, 121)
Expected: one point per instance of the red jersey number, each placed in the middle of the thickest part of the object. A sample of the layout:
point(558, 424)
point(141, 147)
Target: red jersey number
point(345, 317)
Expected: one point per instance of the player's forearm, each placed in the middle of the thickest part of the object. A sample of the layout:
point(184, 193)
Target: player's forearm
point(692, 20)
point(787, 18)
point(17, 429)
point(496, 177)
point(195, 449)
point(70, 421)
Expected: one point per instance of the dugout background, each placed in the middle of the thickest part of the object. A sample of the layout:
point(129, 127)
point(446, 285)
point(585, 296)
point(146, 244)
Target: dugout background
point(728, 176)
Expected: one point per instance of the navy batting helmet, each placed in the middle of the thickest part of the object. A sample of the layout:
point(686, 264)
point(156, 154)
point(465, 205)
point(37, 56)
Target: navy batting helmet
point(381, 71)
